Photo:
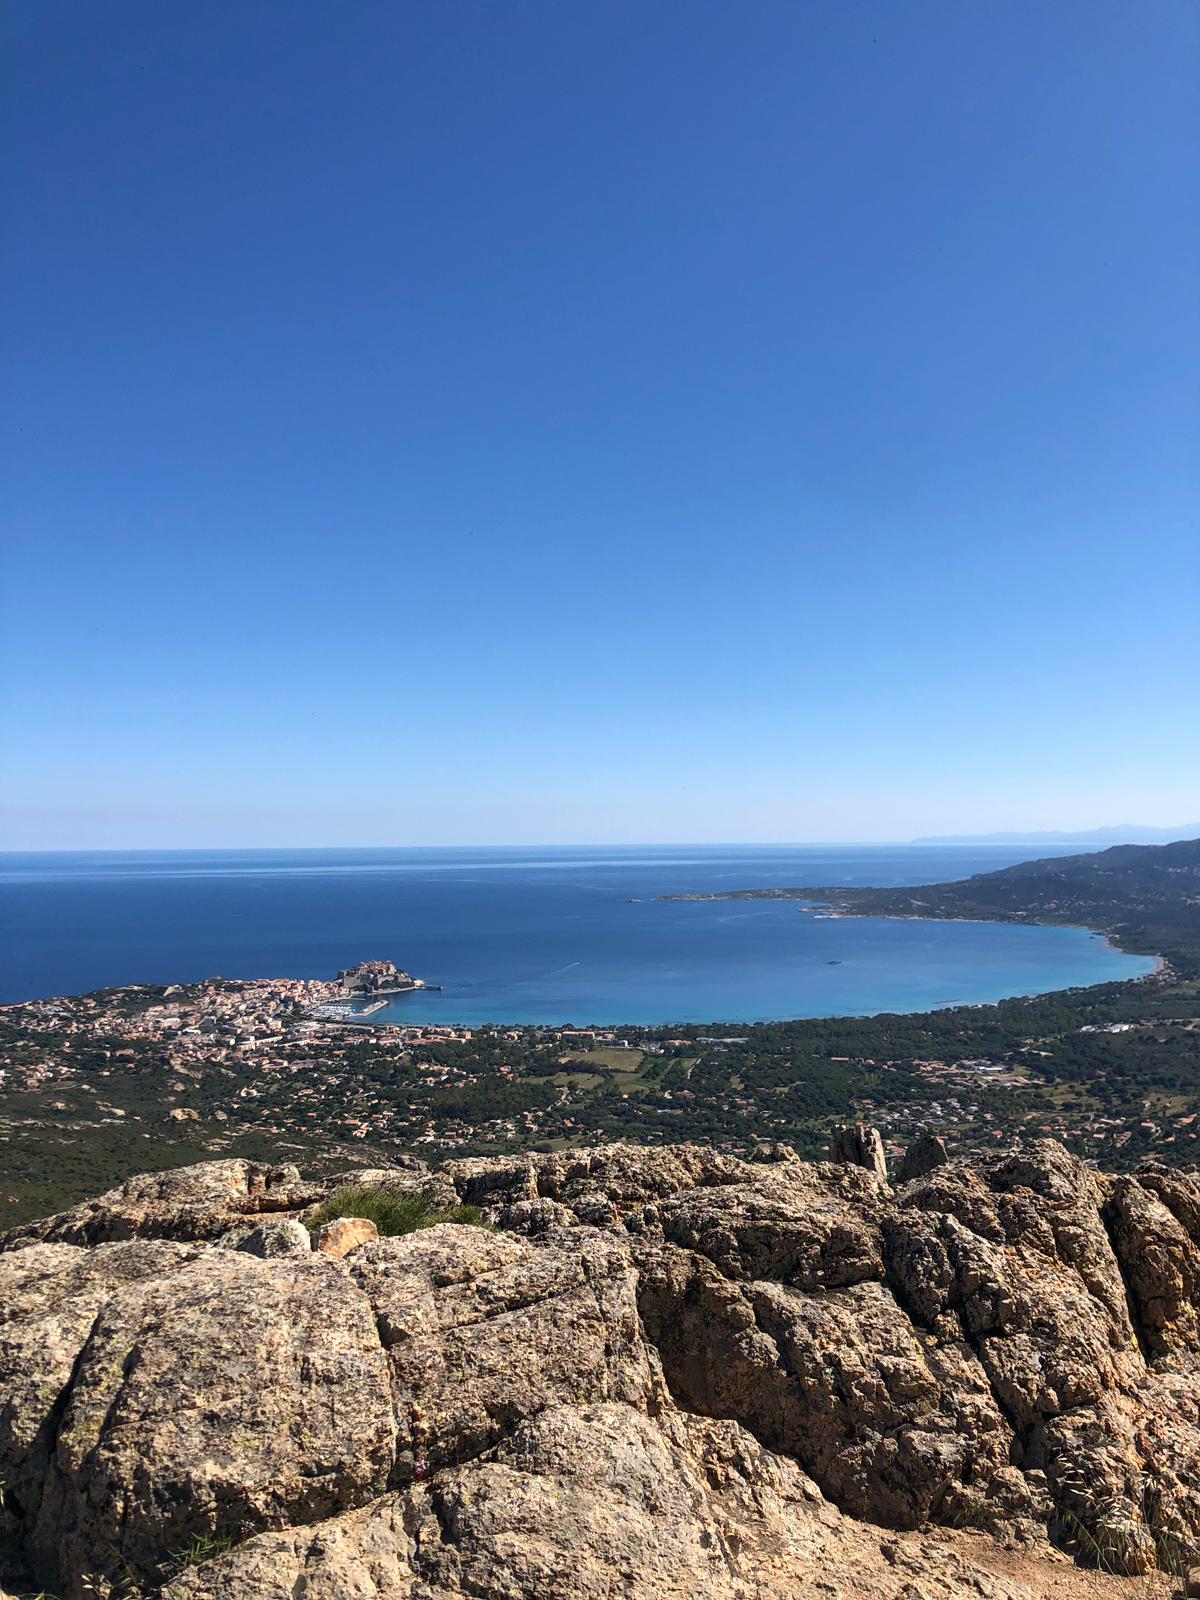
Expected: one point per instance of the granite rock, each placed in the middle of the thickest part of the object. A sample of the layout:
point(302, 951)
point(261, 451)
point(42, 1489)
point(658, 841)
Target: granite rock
point(659, 1372)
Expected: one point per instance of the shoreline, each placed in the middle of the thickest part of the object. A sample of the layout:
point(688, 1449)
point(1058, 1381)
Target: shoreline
point(1161, 965)
point(336, 1011)
point(830, 911)
point(1161, 972)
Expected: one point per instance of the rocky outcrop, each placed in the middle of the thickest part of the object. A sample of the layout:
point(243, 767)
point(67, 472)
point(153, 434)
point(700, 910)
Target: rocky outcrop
point(657, 1372)
point(187, 1203)
point(861, 1146)
point(1154, 1222)
point(213, 1199)
point(483, 1329)
point(162, 1393)
point(922, 1156)
point(592, 1502)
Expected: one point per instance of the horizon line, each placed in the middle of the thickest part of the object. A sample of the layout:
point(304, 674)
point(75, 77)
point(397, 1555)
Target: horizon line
point(1010, 837)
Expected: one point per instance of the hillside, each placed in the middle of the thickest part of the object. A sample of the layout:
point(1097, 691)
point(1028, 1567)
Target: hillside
point(656, 1373)
point(1147, 897)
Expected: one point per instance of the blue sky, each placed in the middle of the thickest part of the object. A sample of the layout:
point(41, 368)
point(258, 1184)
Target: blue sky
point(607, 421)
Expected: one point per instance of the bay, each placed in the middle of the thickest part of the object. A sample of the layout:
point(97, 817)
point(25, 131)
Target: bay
point(533, 935)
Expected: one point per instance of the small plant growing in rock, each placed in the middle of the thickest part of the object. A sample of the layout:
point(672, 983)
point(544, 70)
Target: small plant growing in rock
point(392, 1210)
point(1176, 1550)
point(1108, 1535)
point(205, 1547)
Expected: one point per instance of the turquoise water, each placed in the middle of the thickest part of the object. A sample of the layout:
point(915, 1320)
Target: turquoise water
point(534, 936)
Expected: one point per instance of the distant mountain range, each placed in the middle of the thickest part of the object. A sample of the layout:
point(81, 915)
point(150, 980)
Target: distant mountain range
point(1122, 833)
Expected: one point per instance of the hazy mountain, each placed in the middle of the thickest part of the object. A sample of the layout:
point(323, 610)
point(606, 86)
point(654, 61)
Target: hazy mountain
point(1121, 833)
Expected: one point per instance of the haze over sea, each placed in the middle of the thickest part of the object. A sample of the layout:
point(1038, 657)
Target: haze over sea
point(532, 935)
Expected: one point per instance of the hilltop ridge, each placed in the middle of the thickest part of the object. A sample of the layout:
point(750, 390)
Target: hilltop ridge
point(655, 1372)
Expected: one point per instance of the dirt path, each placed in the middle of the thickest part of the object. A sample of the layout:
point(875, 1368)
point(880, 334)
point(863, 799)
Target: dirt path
point(1049, 1575)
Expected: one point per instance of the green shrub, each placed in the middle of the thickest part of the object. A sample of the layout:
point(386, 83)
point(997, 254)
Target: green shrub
point(391, 1209)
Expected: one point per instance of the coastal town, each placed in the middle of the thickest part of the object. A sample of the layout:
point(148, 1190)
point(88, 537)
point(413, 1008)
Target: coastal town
point(143, 1075)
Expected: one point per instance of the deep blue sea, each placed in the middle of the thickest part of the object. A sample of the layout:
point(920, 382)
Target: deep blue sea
point(531, 935)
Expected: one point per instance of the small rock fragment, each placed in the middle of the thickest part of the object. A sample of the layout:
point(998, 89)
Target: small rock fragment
point(282, 1236)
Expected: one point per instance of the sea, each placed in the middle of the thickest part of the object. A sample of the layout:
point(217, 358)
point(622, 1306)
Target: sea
point(527, 935)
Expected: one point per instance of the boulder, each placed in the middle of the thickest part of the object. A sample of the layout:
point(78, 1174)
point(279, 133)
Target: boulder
point(628, 1177)
point(282, 1237)
point(483, 1329)
point(338, 1238)
point(814, 1226)
point(1159, 1260)
point(177, 1393)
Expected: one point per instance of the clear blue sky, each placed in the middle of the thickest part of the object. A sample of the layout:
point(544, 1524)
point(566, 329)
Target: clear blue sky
point(509, 421)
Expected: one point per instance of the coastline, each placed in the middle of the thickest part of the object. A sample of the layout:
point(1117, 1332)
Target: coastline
point(723, 1029)
point(347, 1011)
point(1162, 967)
point(831, 911)
point(643, 964)
point(1161, 971)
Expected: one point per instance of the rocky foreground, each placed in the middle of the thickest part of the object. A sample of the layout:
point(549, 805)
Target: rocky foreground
point(661, 1373)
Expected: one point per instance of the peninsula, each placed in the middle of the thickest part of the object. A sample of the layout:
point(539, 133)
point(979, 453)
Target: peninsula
point(1145, 898)
point(371, 980)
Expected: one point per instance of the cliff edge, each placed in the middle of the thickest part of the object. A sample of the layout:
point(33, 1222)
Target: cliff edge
point(657, 1372)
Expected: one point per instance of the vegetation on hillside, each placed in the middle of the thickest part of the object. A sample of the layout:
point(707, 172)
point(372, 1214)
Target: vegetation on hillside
point(392, 1210)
